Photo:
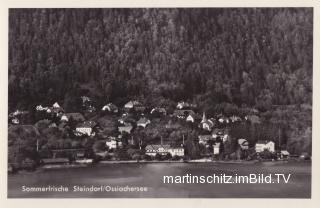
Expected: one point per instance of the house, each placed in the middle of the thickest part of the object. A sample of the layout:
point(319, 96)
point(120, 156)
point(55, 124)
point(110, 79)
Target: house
point(113, 143)
point(154, 149)
point(243, 143)
point(56, 109)
point(85, 100)
point(86, 128)
point(15, 121)
point(217, 133)
point(184, 105)
point(190, 118)
point(180, 114)
point(216, 148)
point(53, 125)
point(284, 154)
point(206, 124)
point(41, 108)
point(183, 114)
point(139, 108)
point(143, 122)
point(77, 117)
point(203, 139)
point(110, 107)
point(56, 105)
point(234, 119)
point(262, 145)
point(129, 105)
point(158, 111)
point(176, 151)
point(64, 118)
point(126, 127)
point(223, 120)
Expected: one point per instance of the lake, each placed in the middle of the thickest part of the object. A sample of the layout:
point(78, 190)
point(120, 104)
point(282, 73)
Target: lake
point(150, 175)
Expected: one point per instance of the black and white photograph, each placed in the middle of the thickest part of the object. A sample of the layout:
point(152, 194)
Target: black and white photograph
point(210, 102)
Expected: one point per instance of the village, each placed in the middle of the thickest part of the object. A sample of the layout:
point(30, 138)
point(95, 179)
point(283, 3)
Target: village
point(123, 136)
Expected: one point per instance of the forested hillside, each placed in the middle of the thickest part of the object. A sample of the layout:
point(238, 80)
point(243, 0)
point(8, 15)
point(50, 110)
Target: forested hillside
point(214, 58)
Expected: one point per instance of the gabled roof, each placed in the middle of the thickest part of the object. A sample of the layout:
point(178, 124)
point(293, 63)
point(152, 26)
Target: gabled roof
point(243, 142)
point(143, 121)
point(159, 110)
point(132, 103)
point(285, 152)
point(56, 105)
point(111, 106)
point(157, 146)
point(87, 124)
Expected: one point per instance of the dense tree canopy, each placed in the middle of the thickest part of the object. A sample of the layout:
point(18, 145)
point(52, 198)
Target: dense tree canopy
point(260, 57)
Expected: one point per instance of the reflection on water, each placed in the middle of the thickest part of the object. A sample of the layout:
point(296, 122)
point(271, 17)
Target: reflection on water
point(150, 175)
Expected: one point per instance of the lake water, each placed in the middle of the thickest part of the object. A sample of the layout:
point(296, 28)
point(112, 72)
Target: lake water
point(150, 175)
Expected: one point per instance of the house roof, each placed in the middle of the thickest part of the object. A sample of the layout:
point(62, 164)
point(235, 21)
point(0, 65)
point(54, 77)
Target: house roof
point(87, 124)
point(159, 110)
point(157, 146)
point(285, 152)
point(217, 145)
point(210, 124)
point(132, 103)
point(56, 105)
point(126, 127)
point(75, 116)
point(111, 106)
point(205, 137)
point(143, 121)
point(243, 142)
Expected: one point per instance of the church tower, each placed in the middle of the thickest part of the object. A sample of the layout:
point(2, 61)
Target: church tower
point(204, 119)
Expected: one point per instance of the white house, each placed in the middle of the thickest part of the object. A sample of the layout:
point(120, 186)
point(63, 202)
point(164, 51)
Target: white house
point(113, 143)
point(244, 144)
point(203, 139)
point(284, 154)
point(261, 145)
point(176, 151)
point(154, 149)
point(131, 104)
point(143, 122)
point(190, 118)
point(64, 118)
point(56, 105)
point(126, 127)
point(86, 128)
point(216, 148)
point(15, 121)
point(110, 107)
point(235, 118)
point(206, 124)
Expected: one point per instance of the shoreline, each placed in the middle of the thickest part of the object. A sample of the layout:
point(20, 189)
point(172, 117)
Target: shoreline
point(102, 163)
